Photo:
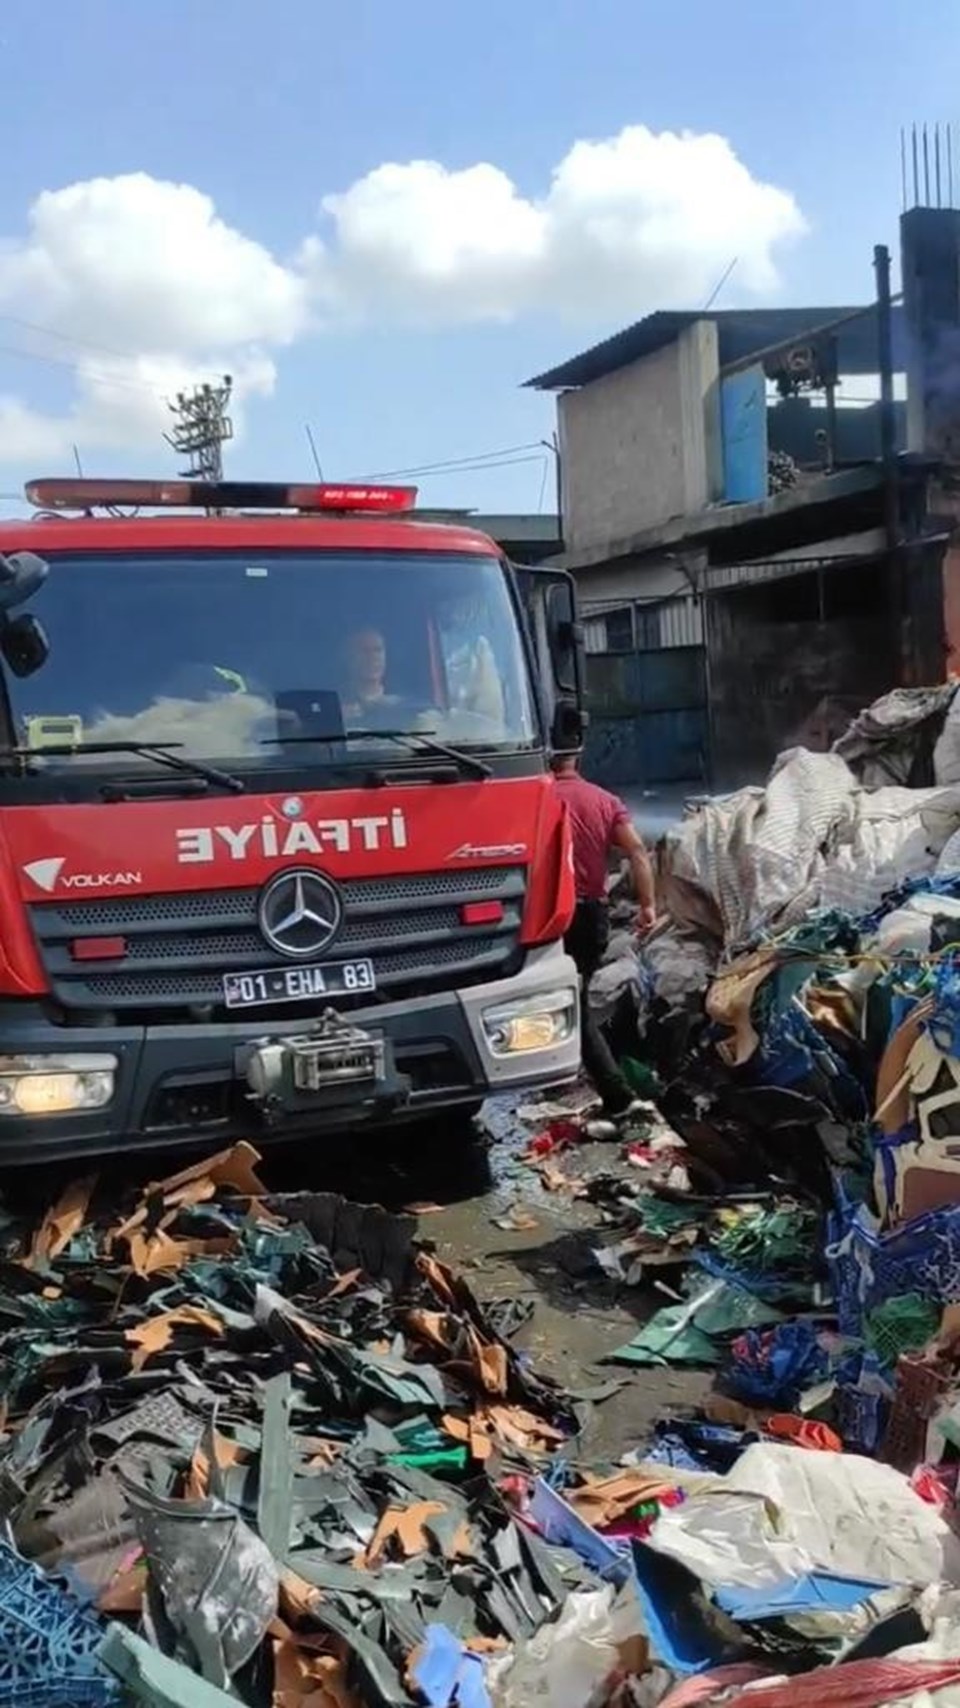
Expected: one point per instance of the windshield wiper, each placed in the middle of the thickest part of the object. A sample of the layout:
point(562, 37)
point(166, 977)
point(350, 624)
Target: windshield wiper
point(162, 752)
point(466, 762)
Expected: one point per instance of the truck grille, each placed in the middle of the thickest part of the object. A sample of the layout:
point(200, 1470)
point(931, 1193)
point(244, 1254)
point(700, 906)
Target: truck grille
point(179, 946)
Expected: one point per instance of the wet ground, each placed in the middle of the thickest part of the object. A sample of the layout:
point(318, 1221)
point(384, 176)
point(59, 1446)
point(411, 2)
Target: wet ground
point(579, 1316)
point(464, 1184)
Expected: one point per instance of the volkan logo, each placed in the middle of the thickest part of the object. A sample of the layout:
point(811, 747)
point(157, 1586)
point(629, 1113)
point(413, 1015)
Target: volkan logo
point(45, 872)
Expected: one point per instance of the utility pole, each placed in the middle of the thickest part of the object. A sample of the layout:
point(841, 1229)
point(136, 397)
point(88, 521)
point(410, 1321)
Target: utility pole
point(201, 428)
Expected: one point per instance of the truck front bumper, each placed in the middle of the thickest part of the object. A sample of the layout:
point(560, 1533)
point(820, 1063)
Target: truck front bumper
point(157, 1087)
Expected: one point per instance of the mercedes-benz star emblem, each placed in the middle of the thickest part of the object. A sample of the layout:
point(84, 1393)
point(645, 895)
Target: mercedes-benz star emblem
point(300, 913)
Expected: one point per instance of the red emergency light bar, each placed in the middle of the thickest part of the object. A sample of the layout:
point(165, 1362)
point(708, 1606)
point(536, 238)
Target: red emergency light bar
point(358, 497)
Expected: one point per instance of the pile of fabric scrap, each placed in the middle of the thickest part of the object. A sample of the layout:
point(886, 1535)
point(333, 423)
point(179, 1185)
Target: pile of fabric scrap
point(256, 1442)
point(269, 1450)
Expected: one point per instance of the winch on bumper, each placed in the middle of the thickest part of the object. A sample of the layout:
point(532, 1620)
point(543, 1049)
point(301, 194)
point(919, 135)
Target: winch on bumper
point(85, 1090)
point(339, 1064)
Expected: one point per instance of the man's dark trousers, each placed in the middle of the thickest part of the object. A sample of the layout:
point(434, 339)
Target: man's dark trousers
point(586, 942)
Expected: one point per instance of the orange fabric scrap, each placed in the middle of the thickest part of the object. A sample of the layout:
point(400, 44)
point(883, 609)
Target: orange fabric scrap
point(225, 1452)
point(403, 1530)
point(506, 1426)
point(486, 1360)
point(304, 1678)
point(490, 1363)
point(62, 1221)
point(603, 1501)
point(234, 1168)
point(156, 1333)
point(804, 1432)
point(296, 1595)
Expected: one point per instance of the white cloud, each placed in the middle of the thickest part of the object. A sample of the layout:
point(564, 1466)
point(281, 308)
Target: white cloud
point(148, 266)
point(638, 222)
point(144, 288)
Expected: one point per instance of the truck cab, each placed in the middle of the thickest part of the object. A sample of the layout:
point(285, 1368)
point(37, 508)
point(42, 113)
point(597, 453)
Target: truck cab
point(279, 847)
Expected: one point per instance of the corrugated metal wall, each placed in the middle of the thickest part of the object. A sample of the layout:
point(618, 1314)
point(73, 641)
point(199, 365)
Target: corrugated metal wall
point(646, 694)
point(681, 622)
point(643, 625)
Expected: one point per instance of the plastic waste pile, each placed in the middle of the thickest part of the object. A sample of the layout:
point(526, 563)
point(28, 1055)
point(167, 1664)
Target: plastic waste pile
point(812, 1079)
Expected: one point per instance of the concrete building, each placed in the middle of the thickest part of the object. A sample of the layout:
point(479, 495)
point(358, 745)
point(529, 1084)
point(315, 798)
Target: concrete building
point(755, 556)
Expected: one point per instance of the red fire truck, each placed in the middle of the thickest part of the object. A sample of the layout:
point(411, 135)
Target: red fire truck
point(279, 850)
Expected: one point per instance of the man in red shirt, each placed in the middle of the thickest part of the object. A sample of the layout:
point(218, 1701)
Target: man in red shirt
point(600, 824)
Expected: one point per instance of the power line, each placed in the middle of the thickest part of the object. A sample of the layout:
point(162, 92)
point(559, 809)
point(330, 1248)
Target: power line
point(473, 468)
point(74, 366)
point(66, 337)
point(479, 459)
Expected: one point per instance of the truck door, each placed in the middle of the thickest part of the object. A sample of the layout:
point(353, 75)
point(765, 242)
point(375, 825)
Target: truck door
point(549, 601)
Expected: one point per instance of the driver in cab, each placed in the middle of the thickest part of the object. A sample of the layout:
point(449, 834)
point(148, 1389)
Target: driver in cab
point(365, 694)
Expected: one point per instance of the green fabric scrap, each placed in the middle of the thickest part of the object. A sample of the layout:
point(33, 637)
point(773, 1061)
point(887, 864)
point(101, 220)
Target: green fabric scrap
point(642, 1080)
point(903, 1324)
point(781, 1241)
point(445, 1459)
point(155, 1680)
point(694, 1332)
point(660, 1218)
point(275, 1498)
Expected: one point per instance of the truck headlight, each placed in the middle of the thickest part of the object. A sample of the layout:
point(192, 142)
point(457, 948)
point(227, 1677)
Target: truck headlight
point(530, 1023)
point(55, 1085)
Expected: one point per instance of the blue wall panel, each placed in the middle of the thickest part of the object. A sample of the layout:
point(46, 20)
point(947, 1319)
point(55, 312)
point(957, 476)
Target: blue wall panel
point(648, 718)
point(743, 416)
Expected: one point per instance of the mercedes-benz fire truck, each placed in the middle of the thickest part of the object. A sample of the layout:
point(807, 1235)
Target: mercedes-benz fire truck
point(279, 848)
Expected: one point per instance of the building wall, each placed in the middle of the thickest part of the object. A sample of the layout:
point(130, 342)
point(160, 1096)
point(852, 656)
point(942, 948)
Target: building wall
point(791, 662)
point(643, 444)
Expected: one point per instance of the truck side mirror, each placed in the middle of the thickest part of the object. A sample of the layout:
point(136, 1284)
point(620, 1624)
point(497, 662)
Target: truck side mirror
point(568, 728)
point(21, 573)
point(565, 636)
point(24, 644)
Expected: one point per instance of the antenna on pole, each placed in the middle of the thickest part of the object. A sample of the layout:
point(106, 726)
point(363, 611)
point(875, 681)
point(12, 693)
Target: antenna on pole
point(313, 449)
point(718, 287)
point(201, 428)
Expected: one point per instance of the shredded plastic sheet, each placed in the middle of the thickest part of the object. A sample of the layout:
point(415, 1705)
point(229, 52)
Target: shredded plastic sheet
point(781, 1514)
point(694, 1332)
point(812, 838)
point(565, 1663)
point(907, 736)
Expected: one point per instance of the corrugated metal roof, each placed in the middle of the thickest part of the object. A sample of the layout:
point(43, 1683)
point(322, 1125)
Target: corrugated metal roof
point(740, 331)
point(721, 576)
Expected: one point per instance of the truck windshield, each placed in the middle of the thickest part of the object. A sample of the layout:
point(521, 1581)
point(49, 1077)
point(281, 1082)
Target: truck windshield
point(247, 658)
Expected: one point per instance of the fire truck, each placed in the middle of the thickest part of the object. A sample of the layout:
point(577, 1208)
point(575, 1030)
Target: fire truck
point(280, 853)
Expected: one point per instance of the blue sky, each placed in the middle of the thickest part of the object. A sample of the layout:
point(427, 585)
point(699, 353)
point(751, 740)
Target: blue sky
point(268, 109)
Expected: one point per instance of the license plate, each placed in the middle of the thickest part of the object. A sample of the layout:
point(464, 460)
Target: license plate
point(298, 984)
